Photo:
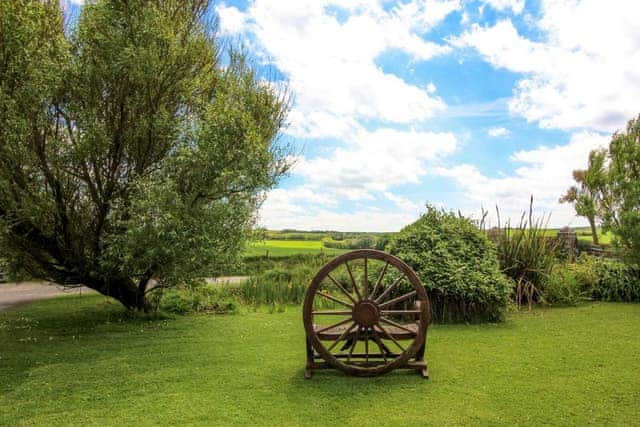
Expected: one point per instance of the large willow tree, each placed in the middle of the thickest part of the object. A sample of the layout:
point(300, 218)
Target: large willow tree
point(128, 149)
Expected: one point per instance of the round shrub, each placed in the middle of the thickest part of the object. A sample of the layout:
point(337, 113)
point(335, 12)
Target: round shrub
point(457, 265)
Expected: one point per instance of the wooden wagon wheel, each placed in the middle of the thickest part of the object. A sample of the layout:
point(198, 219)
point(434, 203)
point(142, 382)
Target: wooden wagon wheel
point(345, 308)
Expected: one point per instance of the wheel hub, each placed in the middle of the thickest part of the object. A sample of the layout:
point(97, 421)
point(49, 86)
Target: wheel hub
point(366, 313)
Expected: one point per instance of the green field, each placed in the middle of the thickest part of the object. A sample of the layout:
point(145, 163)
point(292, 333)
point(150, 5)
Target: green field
point(584, 234)
point(280, 248)
point(312, 243)
point(80, 361)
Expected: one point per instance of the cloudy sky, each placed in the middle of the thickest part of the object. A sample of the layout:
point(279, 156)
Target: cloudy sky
point(458, 103)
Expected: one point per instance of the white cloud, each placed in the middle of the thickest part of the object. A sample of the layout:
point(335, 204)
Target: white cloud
point(403, 203)
point(583, 74)
point(544, 173)
point(367, 169)
point(232, 21)
point(516, 6)
point(464, 19)
point(376, 161)
point(300, 208)
point(498, 132)
point(368, 219)
point(331, 63)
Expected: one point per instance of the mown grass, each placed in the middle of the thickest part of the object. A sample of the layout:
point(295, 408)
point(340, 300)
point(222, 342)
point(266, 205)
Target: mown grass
point(282, 248)
point(80, 361)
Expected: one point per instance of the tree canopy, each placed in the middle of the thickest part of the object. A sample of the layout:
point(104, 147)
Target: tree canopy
point(131, 145)
point(620, 206)
point(609, 189)
point(586, 195)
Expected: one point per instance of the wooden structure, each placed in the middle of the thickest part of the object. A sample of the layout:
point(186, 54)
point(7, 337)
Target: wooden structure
point(366, 313)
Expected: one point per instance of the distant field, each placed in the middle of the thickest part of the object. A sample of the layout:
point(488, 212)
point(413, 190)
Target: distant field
point(282, 244)
point(280, 248)
point(584, 234)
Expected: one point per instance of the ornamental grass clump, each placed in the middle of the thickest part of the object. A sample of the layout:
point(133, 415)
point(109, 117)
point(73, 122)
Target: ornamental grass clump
point(527, 256)
point(457, 264)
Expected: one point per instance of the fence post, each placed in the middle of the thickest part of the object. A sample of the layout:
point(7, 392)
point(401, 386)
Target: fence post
point(569, 241)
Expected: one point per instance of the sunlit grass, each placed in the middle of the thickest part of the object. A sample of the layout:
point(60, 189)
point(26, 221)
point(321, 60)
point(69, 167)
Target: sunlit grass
point(77, 360)
point(280, 248)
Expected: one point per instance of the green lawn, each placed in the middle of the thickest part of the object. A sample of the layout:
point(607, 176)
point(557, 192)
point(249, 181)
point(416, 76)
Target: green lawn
point(89, 365)
point(279, 248)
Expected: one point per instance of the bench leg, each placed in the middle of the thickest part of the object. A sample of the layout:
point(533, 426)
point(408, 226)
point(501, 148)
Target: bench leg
point(424, 372)
point(308, 370)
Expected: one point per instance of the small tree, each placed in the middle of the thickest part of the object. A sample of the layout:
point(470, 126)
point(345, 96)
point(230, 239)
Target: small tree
point(585, 196)
point(127, 150)
point(620, 201)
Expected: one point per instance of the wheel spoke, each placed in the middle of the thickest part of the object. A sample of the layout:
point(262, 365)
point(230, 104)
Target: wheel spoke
point(335, 325)
point(365, 291)
point(332, 298)
point(399, 299)
point(344, 291)
point(390, 288)
point(366, 345)
point(375, 288)
point(331, 313)
point(397, 325)
point(353, 344)
point(384, 331)
point(341, 337)
point(380, 344)
point(353, 281)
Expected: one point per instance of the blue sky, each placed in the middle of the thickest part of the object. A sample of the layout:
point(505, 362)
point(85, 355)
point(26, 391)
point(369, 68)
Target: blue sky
point(458, 103)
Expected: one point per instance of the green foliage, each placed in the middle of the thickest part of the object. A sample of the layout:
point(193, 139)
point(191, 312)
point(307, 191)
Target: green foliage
point(278, 287)
point(457, 264)
point(617, 282)
point(527, 256)
point(586, 196)
point(620, 207)
point(201, 298)
point(592, 278)
point(562, 287)
point(128, 149)
point(363, 242)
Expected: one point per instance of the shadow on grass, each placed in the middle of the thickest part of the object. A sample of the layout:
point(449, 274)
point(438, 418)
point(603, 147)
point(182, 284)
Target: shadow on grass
point(43, 333)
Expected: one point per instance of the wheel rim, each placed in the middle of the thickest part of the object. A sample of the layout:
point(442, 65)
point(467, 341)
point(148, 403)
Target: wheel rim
point(366, 313)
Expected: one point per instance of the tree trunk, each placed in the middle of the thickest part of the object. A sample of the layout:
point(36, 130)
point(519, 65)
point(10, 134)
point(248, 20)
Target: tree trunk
point(594, 232)
point(125, 290)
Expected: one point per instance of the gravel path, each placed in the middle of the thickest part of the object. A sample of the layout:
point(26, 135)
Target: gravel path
point(25, 292)
point(12, 294)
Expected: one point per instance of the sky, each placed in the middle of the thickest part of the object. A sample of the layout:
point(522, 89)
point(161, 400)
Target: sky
point(460, 104)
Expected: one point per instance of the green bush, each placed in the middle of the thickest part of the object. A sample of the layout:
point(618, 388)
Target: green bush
point(457, 264)
point(562, 286)
point(592, 278)
point(256, 265)
point(362, 242)
point(617, 282)
point(198, 298)
point(278, 286)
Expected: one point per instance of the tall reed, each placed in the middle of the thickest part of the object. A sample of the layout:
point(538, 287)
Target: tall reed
point(526, 255)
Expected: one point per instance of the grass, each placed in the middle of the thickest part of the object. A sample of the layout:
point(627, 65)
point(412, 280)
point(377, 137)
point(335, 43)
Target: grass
point(79, 360)
point(282, 248)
